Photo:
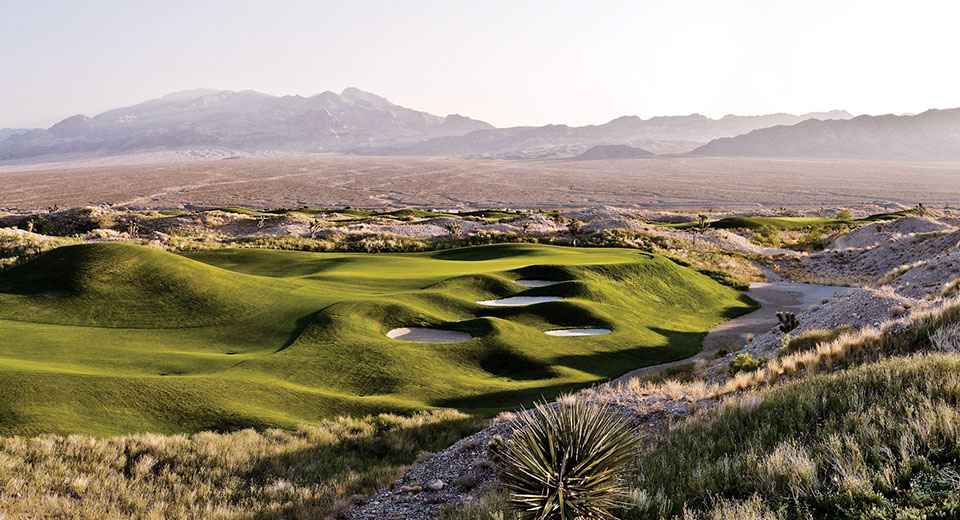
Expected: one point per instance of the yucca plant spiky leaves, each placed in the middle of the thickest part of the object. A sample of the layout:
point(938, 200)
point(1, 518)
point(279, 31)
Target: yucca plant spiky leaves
point(565, 461)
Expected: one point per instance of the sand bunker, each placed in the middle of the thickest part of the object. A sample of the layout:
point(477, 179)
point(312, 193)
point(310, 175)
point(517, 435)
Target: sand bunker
point(515, 301)
point(425, 335)
point(577, 332)
point(535, 283)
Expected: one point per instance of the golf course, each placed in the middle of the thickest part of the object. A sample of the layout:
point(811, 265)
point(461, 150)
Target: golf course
point(109, 338)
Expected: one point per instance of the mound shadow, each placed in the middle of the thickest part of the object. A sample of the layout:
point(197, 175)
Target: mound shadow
point(610, 365)
point(491, 403)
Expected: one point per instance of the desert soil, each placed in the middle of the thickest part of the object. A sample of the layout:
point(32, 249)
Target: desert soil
point(451, 183)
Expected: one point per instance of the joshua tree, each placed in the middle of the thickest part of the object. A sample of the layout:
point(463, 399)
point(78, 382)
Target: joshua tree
point(921, 210)
point(261, 221)
point(525, 227)
point(133, 228)
point(788, 321)
point(315, 226)
point(701, 227)
point(454, 228)
point(30, 224)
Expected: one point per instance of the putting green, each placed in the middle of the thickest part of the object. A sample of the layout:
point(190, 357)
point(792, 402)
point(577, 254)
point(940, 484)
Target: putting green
point(114, 338)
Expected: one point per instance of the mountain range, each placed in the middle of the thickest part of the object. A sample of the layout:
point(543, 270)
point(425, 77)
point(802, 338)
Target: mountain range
point(933, 135)
point(7, 132)
point(247, 120)
point(670, 134)
point(361, 123)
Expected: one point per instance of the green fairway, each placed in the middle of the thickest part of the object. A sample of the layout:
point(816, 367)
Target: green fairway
point(112, 338)
point(785, 223)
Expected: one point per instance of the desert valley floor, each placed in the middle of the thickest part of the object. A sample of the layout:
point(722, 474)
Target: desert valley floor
point(172, 180)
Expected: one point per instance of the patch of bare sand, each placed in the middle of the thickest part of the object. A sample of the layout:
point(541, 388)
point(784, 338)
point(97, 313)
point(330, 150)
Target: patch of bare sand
point(428, 335)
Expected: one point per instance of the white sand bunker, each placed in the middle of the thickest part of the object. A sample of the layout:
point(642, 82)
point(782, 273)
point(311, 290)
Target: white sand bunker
point(425, 335)
point(535, 283)
point(577, 332)
point(515, 301)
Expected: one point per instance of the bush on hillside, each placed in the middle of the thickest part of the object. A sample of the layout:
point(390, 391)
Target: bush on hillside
point(768, 236)
point(744, 363)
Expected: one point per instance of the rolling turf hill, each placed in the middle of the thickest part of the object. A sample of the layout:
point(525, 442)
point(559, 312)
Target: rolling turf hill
point(112, 338)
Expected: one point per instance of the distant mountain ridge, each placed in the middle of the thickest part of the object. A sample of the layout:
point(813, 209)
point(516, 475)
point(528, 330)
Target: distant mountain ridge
point(933, 135)
point(7, 132)
point(612, 151)
point(664, 134)
point(245, 120)
point(356, 122)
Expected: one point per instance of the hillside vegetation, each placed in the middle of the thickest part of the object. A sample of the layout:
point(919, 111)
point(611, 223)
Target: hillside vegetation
point(111, 339)
point(308, 472)
point(877, 441)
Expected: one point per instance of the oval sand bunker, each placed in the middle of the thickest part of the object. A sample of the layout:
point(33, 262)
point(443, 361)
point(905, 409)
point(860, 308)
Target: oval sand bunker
point(535, 283)
point(578, 332)
point(515, 301)
point(425, 335)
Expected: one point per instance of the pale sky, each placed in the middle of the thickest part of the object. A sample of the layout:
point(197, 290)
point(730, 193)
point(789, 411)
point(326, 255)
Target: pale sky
point(511, 62)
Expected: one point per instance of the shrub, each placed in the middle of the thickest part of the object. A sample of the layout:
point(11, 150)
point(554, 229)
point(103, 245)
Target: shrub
point(743, 362)
point(844, 214)
point(565, 461)
point(454, 228)
point(766, 236)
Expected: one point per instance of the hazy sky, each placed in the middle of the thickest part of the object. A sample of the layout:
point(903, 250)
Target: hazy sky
point(507, 62)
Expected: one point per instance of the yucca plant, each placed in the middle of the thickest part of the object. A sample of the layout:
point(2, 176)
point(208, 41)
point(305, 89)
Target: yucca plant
point(565, 461)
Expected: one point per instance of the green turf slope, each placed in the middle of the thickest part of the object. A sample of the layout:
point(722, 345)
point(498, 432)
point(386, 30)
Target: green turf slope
point(109, 338)
point(120, 285)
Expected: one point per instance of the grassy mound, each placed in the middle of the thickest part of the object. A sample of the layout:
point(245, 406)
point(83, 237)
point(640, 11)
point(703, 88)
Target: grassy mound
point(121, 285)
point(787, 223)
point(109, 339)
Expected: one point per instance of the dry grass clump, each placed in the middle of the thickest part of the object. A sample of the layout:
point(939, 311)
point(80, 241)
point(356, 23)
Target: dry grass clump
point(810, 339)
point(312, 472)
point(895, 273)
